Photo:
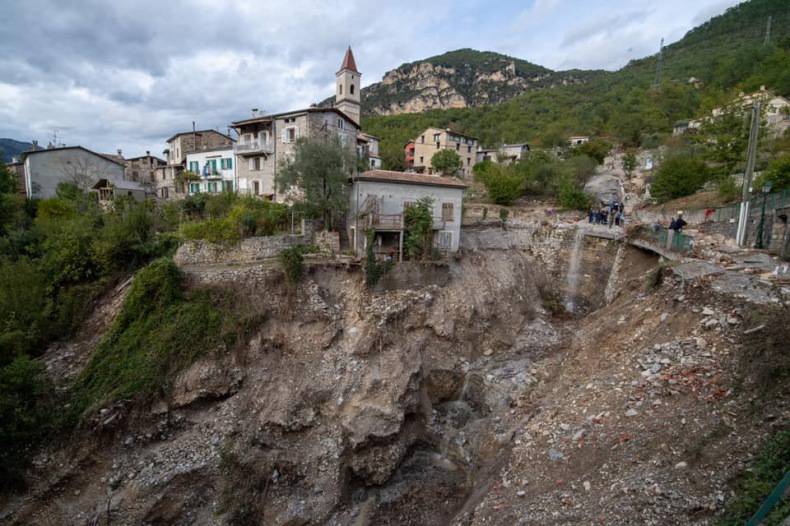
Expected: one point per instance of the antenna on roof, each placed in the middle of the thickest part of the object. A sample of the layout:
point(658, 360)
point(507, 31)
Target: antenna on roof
point(768, 30)
point(659, 65)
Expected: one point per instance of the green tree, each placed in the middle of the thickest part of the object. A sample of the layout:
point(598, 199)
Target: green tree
point(320, 169)
point(629, 163)
point(595, 148)
point(446, 162)
point(7, 180)
point(679, 175)
point(418, 219)
point(778, 174)
point(503, 184)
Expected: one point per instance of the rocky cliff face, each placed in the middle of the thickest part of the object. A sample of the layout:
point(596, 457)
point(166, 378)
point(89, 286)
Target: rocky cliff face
point(452, 394)
point(459, 79)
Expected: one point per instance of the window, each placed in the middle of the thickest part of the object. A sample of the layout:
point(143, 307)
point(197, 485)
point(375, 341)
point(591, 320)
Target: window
point(213, 164)
point(256, 187)
point(226, 164)
point(407, 205)
point(194, 167)
point(468, 160)
point(227, 186)
point(420, 159)
point(457, 146)
point(256, 163)
point(289, 135)
point(468, 149)
point(351, 89)
point(445, 240)
point(436, 137)
point(340, 123)
point(340, 89)
point(447, 212)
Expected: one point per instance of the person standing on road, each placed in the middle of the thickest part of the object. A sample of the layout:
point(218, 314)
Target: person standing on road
point(676, 226)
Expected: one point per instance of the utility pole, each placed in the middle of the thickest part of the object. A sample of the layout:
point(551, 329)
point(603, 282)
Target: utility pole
point(754, 132)
point(768, 30)
point(659, 65)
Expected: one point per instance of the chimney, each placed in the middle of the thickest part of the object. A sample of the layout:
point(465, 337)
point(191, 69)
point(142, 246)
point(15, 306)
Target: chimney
point(255, 112)
point(147, 152)
point(120, 152)
point(35, 144)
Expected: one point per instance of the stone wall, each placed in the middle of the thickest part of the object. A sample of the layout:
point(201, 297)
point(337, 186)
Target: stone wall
point(249, 250)
point(327, 242)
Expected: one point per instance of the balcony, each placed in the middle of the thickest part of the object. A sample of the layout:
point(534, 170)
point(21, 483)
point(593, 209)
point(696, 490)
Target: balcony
point(254, 147)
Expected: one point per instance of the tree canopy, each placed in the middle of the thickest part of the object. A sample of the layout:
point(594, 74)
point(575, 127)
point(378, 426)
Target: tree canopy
point(317, 176)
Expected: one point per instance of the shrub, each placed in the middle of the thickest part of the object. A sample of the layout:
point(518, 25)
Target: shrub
point(374, 269)
point(503, 185)
point(26, 416)
point(728, 189)
point(158, 332)
point(573, 197)
point(213, 230)
point(292, 260)
point(446, 162)
point(678, 176)
point(503, 214)
point(768, 469)
point(595, 148)
point(419, 229)
point(778, 174)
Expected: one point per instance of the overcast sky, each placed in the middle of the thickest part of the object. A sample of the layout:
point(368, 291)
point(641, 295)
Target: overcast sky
point(129, 73)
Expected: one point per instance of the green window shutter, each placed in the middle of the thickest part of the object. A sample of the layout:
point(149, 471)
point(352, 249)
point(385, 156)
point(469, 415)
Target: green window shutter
point(230, 164)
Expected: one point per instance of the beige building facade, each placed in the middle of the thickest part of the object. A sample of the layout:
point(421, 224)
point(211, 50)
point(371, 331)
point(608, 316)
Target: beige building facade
point(166, 178)
point(433, 140)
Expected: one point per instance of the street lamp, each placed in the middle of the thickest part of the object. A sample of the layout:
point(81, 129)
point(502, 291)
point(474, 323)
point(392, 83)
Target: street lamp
point(760, 233)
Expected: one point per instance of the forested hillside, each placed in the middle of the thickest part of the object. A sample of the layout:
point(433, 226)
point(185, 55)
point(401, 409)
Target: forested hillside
point(9, 148)
point(727, 54)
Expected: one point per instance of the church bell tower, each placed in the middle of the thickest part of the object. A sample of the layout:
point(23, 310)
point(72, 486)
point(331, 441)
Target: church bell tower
point(348, 83)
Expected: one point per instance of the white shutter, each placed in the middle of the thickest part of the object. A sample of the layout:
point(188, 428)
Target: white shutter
point(285, 135)
point(250, 165)
point(296, 133)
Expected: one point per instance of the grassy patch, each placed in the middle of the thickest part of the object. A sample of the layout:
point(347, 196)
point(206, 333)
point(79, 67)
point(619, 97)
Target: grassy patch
point(769, 467)
point(159, 331)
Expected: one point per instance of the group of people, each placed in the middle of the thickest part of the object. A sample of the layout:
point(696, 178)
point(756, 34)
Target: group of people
point(611, 214)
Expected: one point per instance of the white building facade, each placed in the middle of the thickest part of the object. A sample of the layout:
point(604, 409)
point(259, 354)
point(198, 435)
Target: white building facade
point(216, 170)
point(379, 198)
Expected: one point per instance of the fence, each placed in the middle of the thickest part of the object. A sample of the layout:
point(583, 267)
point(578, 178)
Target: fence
point(772, 202)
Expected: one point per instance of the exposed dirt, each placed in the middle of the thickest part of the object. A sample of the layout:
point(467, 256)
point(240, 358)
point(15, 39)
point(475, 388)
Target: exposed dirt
point(450, 395)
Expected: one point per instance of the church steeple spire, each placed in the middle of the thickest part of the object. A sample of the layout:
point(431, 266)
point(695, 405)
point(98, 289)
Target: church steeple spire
point(347, 96)
point(348, 61)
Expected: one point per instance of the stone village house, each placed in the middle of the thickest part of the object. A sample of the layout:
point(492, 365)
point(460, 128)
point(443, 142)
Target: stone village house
point(266, 140)
point(45, 169)
point(178, 147)
point(379, 198)
point(433, 140)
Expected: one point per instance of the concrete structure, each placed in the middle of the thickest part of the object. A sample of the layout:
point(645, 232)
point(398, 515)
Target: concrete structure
point(216, 168)
point(578, 140)
point(143, 169)
point(167, 183)
point(107, 191)
point(507, 154)
point(368, 148)
point(44, 170)
point(265, 141)
point(434, 139)
point(378, 199)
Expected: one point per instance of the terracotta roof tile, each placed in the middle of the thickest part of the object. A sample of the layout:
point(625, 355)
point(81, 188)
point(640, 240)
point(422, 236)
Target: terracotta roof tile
point(388, 176)
point(349, 62)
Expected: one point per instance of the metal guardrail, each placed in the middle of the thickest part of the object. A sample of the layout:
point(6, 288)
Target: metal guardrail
point(681, 243)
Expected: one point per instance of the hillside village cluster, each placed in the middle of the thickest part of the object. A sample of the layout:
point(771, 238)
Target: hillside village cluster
point(211, 162)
